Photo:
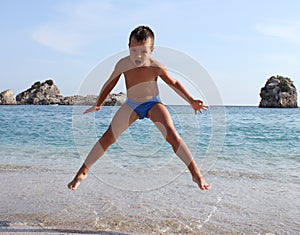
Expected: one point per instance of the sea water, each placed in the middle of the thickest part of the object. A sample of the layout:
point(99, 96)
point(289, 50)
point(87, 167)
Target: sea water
point(250, 156)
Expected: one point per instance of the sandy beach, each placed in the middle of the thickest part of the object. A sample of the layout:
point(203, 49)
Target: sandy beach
point(27, 230)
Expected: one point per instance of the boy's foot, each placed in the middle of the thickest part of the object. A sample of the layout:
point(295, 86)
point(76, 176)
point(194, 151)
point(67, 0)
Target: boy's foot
point(76, 181)
point(201, 183)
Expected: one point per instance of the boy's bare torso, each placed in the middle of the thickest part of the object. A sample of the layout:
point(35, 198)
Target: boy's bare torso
point(141, 82)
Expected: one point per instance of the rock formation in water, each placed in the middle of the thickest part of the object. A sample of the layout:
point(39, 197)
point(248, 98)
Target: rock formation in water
point(40, 93)
point(278, 92)
point(7, 97)
point(47, 93)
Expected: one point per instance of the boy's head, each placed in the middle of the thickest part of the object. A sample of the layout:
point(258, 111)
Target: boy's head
point(141, 45)
point(142, 34)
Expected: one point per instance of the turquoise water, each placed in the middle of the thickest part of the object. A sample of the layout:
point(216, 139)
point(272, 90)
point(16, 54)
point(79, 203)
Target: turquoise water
point(251, 156)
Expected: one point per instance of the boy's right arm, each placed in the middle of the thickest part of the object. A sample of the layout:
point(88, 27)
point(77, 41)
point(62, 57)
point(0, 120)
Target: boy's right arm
point(106, 89)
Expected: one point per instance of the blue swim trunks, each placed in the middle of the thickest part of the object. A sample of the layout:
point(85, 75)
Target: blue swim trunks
point(142, 108)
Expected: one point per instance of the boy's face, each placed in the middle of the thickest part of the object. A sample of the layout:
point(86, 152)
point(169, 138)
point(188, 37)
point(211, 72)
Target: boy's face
point(140, 51)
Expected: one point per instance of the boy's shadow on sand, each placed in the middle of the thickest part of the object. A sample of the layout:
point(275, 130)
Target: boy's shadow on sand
point(5, 228)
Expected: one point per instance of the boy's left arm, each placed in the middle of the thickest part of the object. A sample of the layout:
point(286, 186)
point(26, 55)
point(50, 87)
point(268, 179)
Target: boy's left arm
point(197, 105)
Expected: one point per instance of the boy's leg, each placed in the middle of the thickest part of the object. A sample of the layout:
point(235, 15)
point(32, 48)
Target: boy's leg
point(162, 119)
point(123, 118)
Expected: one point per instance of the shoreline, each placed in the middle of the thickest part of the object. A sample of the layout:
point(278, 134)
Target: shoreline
point(135, 192)
point(29, 230)
point(38, 209)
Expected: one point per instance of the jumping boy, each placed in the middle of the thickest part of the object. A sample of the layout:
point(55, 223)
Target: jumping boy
point(141, 73)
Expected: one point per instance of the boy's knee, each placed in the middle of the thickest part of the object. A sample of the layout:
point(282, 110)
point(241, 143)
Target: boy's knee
point(170, 134)
point(173, 138)
point(109, 137)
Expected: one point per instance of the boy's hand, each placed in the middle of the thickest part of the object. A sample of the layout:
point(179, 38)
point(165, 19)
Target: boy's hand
point(92, 109)
point(198, 105)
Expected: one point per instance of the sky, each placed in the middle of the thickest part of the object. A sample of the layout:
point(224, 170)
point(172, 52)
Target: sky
point(239, 43)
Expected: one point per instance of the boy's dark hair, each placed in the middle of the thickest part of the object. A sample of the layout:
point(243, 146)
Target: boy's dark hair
point(141, 34)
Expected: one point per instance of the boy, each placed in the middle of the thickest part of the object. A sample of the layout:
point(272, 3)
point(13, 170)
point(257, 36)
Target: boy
point(141, 73)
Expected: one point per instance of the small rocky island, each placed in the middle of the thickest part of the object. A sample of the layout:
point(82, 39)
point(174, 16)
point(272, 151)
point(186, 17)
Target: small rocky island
point(278, 92)
point(47, 93)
